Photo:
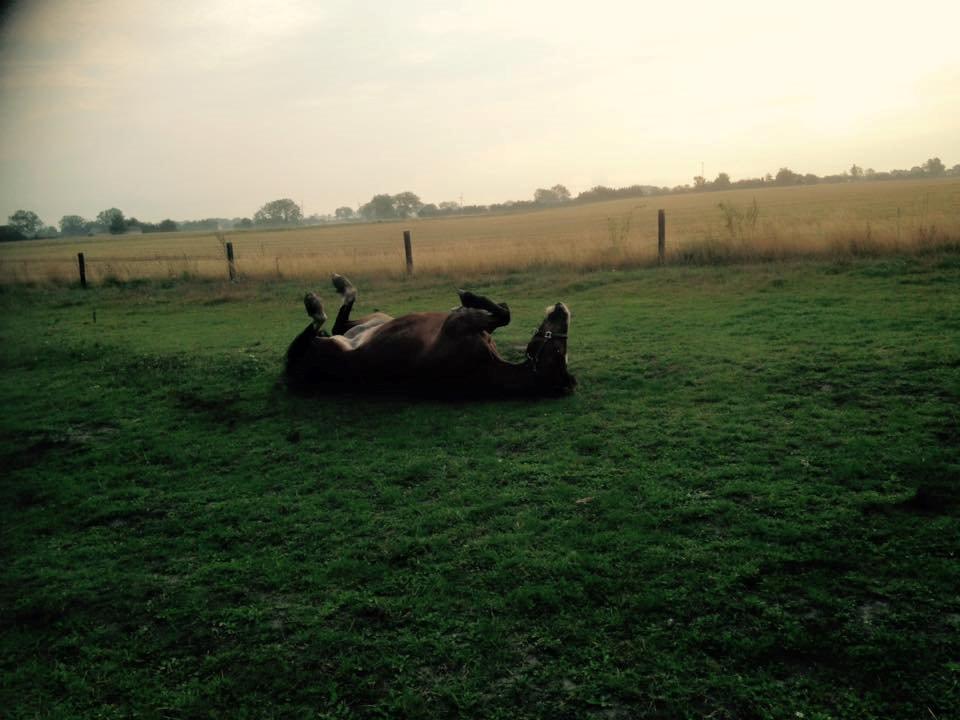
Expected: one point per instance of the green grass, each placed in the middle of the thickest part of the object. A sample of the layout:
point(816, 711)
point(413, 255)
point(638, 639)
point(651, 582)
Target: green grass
point(749, 509)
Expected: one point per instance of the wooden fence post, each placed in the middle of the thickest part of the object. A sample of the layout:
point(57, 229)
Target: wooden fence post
point(230, 263)
point(661, 236)
point(408, 249)
point(83, 271)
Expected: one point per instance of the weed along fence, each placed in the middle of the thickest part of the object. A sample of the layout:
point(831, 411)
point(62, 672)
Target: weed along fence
point(704, 228)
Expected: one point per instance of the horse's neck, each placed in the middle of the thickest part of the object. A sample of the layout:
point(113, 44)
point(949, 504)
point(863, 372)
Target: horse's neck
point(513, 377)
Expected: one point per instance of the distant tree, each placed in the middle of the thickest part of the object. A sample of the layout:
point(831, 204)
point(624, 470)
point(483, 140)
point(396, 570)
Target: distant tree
point(552, 196)
point(786, 176)
point(406, 204)
point(597, 192)
point(699, 182)
point(204, 224)
point(48, 232)
point(167, 225)
point(279, 212)
point(544, 196)
point(8, 233)
point(112, 220)
point(73, 225)
point(954, 171)
point(475, 209)
point(810, 179)
point(380, 207)
point(429, 210)
point(934, 167)
point(722, 182)
point(856, 172)
point(194, 225)
point(26, 222)
point(449, 206)
point(343, 213)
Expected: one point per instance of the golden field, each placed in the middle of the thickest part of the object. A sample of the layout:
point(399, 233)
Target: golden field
point(770, 223)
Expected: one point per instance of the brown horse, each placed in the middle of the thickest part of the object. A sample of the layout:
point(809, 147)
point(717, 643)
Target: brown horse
point(447, 353)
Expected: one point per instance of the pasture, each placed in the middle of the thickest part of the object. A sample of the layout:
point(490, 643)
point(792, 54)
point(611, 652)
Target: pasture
point(749, 509)
point(833, 221)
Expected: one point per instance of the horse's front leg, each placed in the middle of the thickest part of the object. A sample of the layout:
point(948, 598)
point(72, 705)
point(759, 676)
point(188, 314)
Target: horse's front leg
point(496, 314)
point(314, 306)
point(349, 293)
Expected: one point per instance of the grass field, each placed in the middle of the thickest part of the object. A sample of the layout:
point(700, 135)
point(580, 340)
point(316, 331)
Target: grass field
point(749, 509)
point(838, 220)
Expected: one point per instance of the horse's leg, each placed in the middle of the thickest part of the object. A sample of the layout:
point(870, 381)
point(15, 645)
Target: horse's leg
point(349, 293)
point(313, 357)
point(499, 313)
point(299, 349)
point(470, 321)
point(314, 307)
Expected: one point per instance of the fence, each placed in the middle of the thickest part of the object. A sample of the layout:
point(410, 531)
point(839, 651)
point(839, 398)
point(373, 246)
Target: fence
point(611, 235)
point(234, 265)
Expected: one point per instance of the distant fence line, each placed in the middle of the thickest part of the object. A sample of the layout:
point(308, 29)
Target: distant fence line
point(109, 259)
point(741, 240)
point(231, 258)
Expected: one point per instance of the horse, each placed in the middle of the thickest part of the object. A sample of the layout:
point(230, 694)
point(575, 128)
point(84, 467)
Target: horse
point(446, 353)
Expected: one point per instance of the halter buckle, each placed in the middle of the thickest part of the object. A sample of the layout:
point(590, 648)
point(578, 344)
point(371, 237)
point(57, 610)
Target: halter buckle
point(547, 334)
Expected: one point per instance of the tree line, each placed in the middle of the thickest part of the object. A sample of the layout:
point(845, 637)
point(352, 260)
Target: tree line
point(407, 204)
point(932, 168)
point(25, 224)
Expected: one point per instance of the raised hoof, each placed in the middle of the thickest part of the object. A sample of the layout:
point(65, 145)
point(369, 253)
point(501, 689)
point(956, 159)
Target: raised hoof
point(315, 309)
point(344, 287)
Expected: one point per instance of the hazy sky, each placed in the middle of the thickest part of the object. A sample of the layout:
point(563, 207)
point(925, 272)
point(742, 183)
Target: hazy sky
point(197, 109)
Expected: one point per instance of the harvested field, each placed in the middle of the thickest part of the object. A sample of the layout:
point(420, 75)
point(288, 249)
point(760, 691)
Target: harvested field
point(837, 220)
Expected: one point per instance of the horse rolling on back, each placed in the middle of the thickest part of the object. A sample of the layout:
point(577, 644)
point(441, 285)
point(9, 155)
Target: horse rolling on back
point(446, 353)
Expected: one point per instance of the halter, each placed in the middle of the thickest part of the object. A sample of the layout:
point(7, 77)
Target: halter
point(546, 335)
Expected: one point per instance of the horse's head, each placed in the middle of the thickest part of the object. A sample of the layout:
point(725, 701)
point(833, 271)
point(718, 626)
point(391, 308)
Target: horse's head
point(547, 350)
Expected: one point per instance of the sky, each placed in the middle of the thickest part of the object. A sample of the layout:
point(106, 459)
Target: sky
point(211, 109)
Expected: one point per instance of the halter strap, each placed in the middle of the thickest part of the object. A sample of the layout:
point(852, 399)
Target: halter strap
point(546, 335)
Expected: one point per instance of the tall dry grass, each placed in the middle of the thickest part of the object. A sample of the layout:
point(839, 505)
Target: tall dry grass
point(857, 219)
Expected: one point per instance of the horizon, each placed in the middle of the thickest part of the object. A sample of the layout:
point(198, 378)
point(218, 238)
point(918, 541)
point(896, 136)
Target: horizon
point(666, 190)
point(186, 112)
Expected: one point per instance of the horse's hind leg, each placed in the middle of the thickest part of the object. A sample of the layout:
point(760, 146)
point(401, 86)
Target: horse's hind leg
point(499, 312)
point(346, 289)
